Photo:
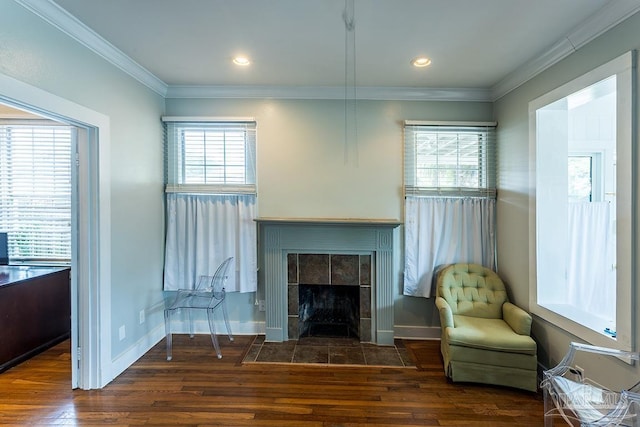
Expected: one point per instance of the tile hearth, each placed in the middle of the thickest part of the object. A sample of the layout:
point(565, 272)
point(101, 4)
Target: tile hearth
point(329, 351)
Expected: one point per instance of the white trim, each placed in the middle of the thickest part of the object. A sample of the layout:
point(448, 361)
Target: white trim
point(599, 23)
point(70, 25)
point(207, 119)
point(417, 332)
point(445, 123)
point(201, 326)
point(133, 353)
point(330, 92)
point(532, 68)
point(623, 65)
point(606, 18)
point(94, 311)
point(211, 189)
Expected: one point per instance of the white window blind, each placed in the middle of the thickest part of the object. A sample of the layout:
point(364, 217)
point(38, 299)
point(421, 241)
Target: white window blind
point(450, 159)
point(210, 156)
point(35, 191)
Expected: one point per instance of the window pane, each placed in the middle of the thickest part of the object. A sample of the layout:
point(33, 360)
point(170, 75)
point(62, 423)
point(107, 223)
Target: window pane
point(35, 191)
point(216, 155)
point(580, 178)
point(450, 159)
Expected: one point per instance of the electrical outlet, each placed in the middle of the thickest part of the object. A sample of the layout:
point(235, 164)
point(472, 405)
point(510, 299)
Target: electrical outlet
point(122, 332)
point(261, 305)
point(141, 317)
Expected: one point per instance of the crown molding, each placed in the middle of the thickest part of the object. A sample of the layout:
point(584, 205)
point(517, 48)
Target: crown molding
point(599, 23)
point(330, 92)
point(70, 25)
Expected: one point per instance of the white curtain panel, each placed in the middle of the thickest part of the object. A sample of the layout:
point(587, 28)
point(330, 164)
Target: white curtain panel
point(591, 278)
point(443, 231)
point(204, 230)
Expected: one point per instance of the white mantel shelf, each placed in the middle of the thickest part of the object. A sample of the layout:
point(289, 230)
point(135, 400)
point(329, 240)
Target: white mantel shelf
point(332, 221)
point(280, 236)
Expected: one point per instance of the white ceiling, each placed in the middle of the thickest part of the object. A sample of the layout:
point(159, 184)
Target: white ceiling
point(490, 46)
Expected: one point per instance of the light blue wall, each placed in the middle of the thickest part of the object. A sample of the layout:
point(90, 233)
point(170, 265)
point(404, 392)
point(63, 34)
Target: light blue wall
point(303, 171)
point(513, 195)
point(35, 53)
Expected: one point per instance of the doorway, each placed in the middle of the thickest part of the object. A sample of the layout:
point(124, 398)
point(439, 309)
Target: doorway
point(90, 306)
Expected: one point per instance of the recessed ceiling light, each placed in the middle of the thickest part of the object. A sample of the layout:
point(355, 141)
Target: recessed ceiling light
point(420, 61)
point(241, 60)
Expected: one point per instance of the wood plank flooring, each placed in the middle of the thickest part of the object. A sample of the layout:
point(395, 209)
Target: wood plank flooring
point(196, 389)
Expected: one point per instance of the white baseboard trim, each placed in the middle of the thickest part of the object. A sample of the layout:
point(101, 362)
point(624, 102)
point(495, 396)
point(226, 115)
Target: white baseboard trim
point(136, 351)
point(201, 326)
point(417, 332)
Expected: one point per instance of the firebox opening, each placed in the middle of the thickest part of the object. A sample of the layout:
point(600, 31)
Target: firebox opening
point(329, 311)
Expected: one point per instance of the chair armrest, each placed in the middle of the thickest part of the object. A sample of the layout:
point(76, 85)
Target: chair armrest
point(605, 351)
point(446, 315)
point(518, 319)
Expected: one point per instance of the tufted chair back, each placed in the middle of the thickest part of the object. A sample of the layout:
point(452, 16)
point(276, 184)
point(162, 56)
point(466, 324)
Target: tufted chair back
point(472, 290)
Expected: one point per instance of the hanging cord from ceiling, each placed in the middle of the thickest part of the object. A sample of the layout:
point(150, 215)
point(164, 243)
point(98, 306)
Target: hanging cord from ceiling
point(350, 95)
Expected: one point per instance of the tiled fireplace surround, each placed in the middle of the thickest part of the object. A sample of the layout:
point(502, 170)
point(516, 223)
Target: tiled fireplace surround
point(371, 241)
point(334, 270)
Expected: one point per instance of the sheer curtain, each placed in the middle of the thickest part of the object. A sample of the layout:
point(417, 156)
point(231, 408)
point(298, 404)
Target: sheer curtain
point(442, 231)
point(590, 274)
point(202, 231)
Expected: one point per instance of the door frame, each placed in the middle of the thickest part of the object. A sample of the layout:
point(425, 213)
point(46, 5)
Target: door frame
point(91, 225)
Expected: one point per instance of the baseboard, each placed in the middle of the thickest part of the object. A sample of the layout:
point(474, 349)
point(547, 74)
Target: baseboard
point(136, 351)
point(417, 332)
point(201, 326)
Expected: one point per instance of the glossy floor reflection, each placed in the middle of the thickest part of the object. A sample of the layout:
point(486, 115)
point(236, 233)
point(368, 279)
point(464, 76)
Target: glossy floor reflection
point(331, 351)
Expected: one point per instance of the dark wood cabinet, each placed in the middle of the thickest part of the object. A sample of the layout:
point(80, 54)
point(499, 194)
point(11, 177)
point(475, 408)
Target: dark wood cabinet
point(35, 311)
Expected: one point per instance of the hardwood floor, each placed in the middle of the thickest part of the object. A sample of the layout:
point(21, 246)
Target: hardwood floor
point(197, 389)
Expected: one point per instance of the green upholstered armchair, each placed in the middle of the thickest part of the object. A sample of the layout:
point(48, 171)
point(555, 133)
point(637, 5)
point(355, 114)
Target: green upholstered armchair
point(485, 338)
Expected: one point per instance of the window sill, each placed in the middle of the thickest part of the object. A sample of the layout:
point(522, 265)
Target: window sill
point(589, 327)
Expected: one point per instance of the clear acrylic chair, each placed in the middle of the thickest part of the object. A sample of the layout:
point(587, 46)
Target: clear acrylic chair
point(208, 296)
point(569, 394)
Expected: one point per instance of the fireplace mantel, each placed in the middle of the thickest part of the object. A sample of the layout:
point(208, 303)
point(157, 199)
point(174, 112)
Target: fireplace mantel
point(280, 236)
point(378, 222)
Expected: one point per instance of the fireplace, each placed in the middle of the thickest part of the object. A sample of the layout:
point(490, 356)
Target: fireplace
point(328, 311)
point(370, 241)
point(329, 295)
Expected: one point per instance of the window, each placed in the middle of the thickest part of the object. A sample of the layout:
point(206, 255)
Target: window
point(450, 188)
point(585, 177)
point(211, 201)
point(35, 191)
point(581, 135)
point(211, 156)
point(454, 159)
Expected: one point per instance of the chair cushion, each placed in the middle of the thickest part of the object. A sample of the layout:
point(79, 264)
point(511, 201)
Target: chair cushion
point(472, 290)
point(489, 334)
